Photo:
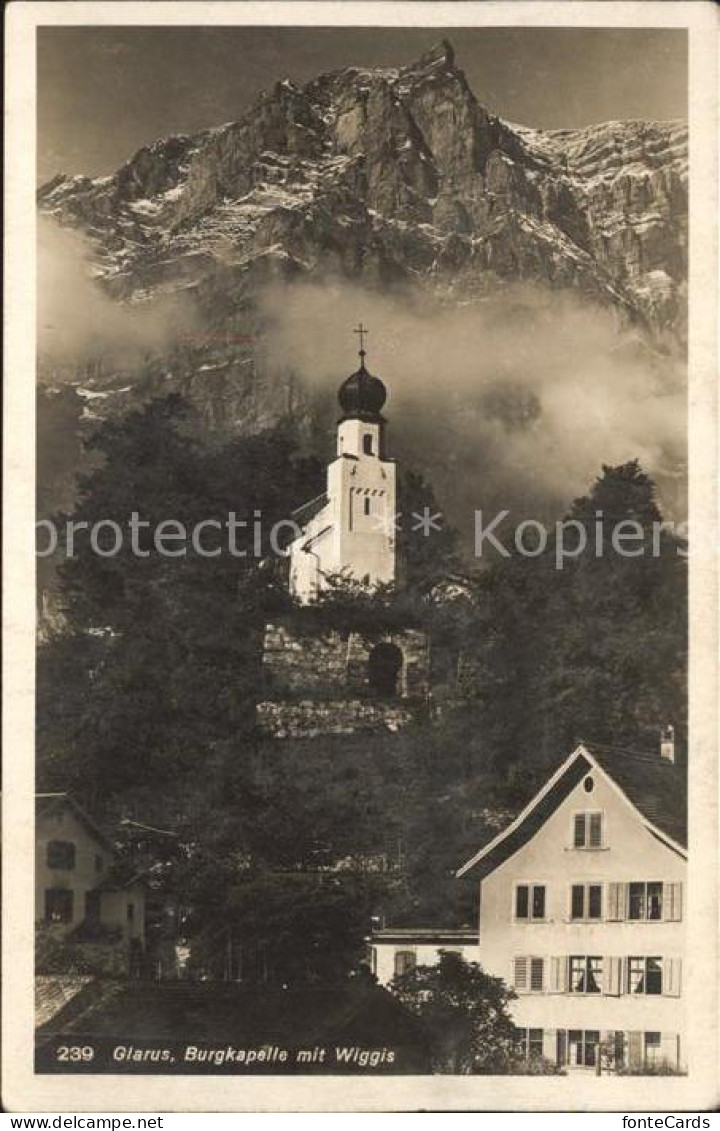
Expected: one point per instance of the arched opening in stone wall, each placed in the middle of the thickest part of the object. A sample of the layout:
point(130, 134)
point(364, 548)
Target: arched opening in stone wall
point(384, 666)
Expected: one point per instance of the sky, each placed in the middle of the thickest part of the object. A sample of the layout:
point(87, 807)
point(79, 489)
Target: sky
point(104, 92)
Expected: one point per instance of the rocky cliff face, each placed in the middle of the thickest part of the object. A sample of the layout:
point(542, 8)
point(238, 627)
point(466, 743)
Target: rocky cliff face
point(387, 175)
point(384, 177)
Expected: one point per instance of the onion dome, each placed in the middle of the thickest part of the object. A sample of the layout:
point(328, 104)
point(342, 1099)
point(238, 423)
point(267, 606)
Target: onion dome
point(362, 396)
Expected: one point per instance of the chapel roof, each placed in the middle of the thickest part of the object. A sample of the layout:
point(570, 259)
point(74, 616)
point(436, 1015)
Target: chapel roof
point(362, 395)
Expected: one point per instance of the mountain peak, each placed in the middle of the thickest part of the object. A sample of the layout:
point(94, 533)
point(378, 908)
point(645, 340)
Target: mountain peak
point(440, 55)
point(393, 173)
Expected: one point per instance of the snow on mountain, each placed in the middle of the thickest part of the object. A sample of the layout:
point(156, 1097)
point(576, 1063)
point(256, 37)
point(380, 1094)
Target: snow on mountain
point(388, 174)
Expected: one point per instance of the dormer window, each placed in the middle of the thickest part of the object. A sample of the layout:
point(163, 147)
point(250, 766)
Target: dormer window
point(588, 830)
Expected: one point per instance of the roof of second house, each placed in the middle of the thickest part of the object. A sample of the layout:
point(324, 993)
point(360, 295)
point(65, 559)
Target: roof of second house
point(425, 936)
point(46, 802)
point(654, 787)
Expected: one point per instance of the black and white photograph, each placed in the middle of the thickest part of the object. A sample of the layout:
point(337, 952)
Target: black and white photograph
point(366, 510)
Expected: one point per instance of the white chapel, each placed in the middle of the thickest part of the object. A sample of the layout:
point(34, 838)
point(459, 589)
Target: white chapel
point(350, 530)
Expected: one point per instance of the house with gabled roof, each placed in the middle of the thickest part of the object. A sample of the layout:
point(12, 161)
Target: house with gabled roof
point(582, 911)
point(83, 887)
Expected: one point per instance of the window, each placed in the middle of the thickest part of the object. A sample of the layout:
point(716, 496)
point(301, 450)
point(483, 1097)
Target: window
point(585, 974)
point(653, 1043)
point(586, 901)
point(537, 974)
point(92, 906)
point(588, 830)
point(645, 900)
point(405, 961)
point(530, 901)
point(588, 785)
point(366, 504)
point(368, 444)
point(594, 901)
point(58, 905)
point(529, 974)
point(130, 912)
point(60, 854)
point(530, 1042)
point(645, 976)
point(578, 1047)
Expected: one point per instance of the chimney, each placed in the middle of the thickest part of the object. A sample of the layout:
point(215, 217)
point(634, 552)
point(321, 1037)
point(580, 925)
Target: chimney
point(667, 743)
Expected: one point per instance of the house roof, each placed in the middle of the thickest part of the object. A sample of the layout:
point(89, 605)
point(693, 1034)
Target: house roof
point(119, 880)
point(46, 802)
point(425, 935)
point(656, 789)
point(213, 1014)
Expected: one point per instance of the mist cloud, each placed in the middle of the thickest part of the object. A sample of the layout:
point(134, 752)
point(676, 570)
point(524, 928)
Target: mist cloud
point(77, 321)
point(513, 400)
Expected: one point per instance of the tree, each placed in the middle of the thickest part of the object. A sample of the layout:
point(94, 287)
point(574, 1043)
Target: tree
point(160, 660)
point(596, 650)
point(465, 1012)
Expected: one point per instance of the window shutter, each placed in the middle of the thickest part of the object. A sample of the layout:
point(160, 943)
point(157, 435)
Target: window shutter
point(520, 976)
point(522, 901)
point(579, 831)
point(558, 975)
point(635, 1049)
point(672, 902)
point(549, 1045)
point(613, 975)
point(672, 977)
point(537, 974)
point(577, 902)
point(595, 830)
point(616, 901)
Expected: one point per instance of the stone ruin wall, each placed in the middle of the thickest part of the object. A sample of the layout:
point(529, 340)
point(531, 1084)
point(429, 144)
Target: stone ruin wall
point(318, 684)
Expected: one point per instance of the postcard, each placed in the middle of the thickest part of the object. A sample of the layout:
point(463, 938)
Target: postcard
point(361, 557)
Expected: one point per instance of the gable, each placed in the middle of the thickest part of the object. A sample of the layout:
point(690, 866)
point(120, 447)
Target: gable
point(627, 844)
point(647, 788)
point(58, 817)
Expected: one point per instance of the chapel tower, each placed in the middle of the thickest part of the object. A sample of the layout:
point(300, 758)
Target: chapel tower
point(350, 530)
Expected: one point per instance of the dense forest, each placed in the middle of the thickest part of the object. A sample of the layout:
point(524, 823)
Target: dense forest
point(146, 694)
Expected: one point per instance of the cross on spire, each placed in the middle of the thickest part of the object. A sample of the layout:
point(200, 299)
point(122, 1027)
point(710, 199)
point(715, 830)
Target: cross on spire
point(362, 332)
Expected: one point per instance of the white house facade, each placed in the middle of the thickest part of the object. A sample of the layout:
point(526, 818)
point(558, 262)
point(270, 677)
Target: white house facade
point(76, 880)
point(397, 951)
point(582, 912)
